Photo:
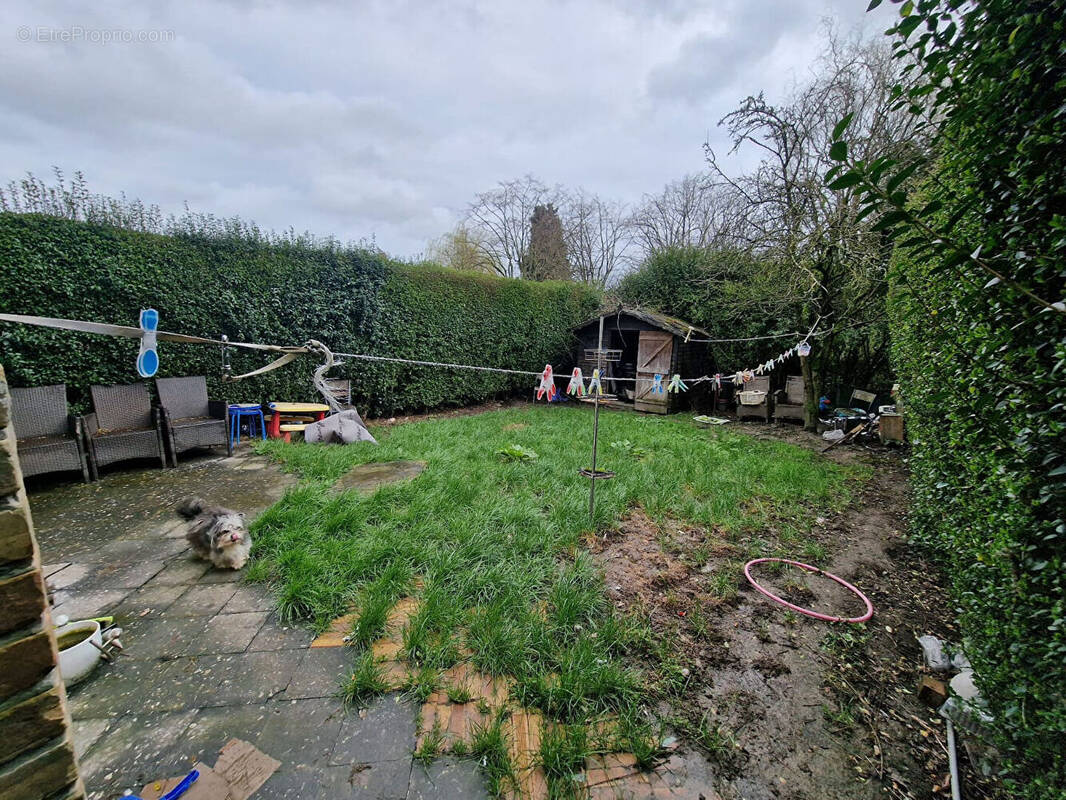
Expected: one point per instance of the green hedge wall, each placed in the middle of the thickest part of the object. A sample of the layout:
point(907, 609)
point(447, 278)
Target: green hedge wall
point(352, 300)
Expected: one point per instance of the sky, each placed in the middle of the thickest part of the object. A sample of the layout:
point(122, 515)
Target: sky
point(385, 119)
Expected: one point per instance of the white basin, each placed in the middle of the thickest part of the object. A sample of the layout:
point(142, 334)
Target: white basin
point(77, 656)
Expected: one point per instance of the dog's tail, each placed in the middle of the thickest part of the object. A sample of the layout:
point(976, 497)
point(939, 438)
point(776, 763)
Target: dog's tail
point(190, 507)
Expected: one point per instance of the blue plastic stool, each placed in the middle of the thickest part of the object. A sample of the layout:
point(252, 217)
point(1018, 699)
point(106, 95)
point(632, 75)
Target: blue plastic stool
point(252, 412)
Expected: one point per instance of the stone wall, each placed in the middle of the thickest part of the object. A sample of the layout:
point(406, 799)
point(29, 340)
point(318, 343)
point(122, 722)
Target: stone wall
point(36, 746)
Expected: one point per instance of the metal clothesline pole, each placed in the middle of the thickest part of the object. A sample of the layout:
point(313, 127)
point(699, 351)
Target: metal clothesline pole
point(595, 428)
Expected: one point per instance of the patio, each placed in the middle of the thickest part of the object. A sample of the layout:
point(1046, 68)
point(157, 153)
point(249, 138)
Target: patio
point(207, 659)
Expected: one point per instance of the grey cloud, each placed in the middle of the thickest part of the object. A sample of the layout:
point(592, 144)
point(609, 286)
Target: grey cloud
point(386, 118)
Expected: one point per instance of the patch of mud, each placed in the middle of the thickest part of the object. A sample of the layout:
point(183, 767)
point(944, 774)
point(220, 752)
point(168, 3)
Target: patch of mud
point(816, 710)
point(367, 477)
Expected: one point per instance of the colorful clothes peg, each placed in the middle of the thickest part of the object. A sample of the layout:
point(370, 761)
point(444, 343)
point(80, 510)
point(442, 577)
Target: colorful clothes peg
point(594, 383)
point(677, 385)
point(547, 384)
point(717, 380)
point(576, 386)
point(657, 384)
point(748, 376)
point(148, 357)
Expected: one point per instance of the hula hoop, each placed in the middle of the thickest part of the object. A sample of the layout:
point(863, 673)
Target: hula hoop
point(817, 615)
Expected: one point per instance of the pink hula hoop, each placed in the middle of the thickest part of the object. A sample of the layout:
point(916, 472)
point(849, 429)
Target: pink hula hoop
point(824, 617)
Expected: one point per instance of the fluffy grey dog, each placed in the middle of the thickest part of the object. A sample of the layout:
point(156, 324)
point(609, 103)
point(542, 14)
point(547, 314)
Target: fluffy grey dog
point(216, 534)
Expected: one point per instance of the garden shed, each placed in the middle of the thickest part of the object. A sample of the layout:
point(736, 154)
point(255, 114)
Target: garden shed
point(644, 344)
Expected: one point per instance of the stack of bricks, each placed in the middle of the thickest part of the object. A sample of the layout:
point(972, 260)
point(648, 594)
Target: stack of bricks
point(36, 748)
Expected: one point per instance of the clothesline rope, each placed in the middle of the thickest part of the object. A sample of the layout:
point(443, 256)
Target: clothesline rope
point(290, 352)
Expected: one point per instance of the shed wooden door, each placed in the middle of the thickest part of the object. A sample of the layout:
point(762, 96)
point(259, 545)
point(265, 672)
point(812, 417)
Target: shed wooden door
point(655, 350)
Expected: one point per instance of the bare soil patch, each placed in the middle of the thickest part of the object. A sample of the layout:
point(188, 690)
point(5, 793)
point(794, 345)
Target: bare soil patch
point(792, 707)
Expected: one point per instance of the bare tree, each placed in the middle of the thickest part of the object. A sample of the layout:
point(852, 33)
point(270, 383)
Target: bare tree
point(462, 249)
point(820, 259)
point(500, 220)
point(695, 211)
point(598, 237)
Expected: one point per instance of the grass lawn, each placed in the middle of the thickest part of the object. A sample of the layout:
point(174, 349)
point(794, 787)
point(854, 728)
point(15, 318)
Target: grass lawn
point(497, 543)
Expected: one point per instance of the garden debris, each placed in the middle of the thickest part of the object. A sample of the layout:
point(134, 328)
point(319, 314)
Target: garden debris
point(934, 653)
point(344, 428)
point(703, 419)
point(239, 772)
point(932, 692)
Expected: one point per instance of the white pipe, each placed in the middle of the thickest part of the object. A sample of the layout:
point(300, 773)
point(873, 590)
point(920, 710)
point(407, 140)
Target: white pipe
point(953, 763)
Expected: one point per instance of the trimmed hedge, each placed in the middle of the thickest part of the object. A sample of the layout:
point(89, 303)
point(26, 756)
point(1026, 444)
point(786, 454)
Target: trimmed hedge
point(982, 358)
point(353, 300)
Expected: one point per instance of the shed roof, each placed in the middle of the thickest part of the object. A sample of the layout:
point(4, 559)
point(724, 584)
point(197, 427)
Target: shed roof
point(673, 325)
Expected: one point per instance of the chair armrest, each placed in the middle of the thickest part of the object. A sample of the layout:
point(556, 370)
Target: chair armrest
point(74, 426)
point(160, 417)
point(217, 409)
point(89, 424)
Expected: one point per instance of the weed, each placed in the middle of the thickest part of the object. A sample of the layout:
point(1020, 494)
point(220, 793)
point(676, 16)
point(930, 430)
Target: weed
point(421, 684)
point(365, 682)
point(432, 743)
point(563, 750)
point(488, 743)
point(515, 452)
point(458, 694)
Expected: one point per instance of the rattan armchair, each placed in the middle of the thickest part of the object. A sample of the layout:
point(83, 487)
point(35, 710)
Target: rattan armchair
point(190, 420)
point(123, 425)
point(49, 438)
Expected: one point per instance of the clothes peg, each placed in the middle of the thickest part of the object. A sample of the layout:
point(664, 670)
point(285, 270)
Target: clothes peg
point(657, 384)
point(677, 385)
point(576, 386)
point(148, 357)
point(594, 383)
point(547, 384)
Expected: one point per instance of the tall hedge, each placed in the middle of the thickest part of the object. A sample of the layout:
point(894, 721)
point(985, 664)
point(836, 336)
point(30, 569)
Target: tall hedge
point(977, 300)
point(351, 299)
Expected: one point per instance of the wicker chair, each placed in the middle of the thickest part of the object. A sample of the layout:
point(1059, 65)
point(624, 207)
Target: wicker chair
point(49, 438)
point(123, 425)
point(761, 410)
point(190, 420)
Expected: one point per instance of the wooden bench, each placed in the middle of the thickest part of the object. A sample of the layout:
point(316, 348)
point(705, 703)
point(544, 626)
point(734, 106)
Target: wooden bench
point(289, 428)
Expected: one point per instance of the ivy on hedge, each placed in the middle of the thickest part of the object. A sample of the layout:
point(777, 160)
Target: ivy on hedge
point(353, 300)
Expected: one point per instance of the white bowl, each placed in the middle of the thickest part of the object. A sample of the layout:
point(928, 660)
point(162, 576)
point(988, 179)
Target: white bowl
point(79, 659)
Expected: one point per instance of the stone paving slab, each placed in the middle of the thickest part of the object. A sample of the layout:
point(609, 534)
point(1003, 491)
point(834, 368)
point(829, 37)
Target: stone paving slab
point(446, 778)
point(249, 598)
point(294, 732)
point(153, 600)
point(280, 637)
point(132, 750)
point(206, 658)
point(320, 674)
point(383, 732)
point(227, 633)
point(203, 601)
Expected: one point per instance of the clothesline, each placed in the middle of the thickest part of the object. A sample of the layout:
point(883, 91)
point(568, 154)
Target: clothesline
point(291, 352)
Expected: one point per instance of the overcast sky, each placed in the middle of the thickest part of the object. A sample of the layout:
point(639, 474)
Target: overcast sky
point(386, 118)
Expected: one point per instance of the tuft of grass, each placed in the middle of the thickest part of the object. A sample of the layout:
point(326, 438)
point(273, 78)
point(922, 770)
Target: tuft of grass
point(432, 744)
point(366, 681)
point(489, 745)
point(421, 684)
point(563, 750)
point(458, 694)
